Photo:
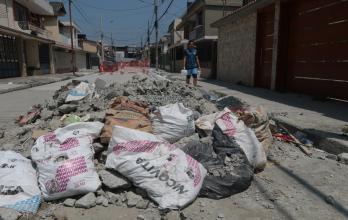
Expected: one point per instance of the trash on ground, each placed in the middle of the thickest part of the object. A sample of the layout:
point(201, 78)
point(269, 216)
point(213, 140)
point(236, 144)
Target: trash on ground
point(171, 178)
point(19, 189)
point(229, 172)
point(206, 123)
point(283, 134)
point(237, 134)
point(81, 91)
point(126, 113)
point(71, 118)
point(173, 122)
point(257, 119)
point(31, 116)
point(64, 160)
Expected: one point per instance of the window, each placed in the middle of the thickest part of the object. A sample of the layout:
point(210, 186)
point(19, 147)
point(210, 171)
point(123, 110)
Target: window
point(200, 18)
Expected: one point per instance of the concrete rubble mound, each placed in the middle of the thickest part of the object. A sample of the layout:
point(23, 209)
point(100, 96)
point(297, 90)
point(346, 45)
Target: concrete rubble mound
point(150, 92)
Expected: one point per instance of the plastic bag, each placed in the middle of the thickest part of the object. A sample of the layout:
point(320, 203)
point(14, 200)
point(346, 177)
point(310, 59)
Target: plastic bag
point(80, 92)
point(18, 183)
point(184, 72)
point(229, 173)
point(64, 160)
point(257, 119)
point(237, 134)
point(171, 178)
point(173, 122)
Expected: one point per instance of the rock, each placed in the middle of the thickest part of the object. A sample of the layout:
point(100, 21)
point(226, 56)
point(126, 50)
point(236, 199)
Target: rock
point(67, 108)
point(221, 215)
point(54, 124)
point(9, 214)
point(343, 158)
point(182, 142)
point(69, 202)
point(113, 180)
point(98, 116)
point(132, 199)
point(8, 146)
point(140, 217)
point(112, 197)
point(101, 193)
point(86, 202)
point(98, 147)
point(332, 157)
point(46, 115)
point(142, 204)
point(2, 134)
point(21, 131)
point(101, 200)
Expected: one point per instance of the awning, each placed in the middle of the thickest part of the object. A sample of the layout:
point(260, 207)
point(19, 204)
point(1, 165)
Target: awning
point(41, 7)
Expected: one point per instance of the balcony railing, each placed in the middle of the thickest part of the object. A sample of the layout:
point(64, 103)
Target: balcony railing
point(198, 32)
point(25, 25)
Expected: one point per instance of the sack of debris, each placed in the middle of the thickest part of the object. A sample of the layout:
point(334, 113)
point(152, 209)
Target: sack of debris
point(64, 160)
point(80, 92)
point(173, 122)
point(171, 178)
point(230, 132)
point(229, 173)
point(18, 183)
point(126, 113)
point(206, 123)
point(257, 119)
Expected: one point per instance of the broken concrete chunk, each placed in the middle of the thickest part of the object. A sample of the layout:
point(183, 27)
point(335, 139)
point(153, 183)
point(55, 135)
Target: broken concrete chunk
point(98, 116)
point(140, 217)
point(98, 147)
point(112, 197)
point(114, 180)
point(54, 124)
point(343, 158)
point(101, 200)
point(46, 115)
point(87, 201)
point(9, 214)
point(133, 199)
point(69, 202)
point(143, 204)
point(67, 108)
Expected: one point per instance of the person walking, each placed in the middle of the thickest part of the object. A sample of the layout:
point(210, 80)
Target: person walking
point(191, 63)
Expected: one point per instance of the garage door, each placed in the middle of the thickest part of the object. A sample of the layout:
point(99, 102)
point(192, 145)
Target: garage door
point(9, 66)
point(318, 48)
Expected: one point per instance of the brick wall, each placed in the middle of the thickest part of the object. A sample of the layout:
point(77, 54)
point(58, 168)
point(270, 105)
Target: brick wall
point(236, 50)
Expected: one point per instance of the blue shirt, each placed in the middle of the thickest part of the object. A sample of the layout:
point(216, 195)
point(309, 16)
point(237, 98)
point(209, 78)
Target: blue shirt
point(191, 58)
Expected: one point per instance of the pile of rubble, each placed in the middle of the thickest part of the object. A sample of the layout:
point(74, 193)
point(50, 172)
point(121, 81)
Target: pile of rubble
point(79, 110)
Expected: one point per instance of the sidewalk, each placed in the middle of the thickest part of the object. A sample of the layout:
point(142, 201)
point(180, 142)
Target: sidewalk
point(322, 121)
point(19, 83)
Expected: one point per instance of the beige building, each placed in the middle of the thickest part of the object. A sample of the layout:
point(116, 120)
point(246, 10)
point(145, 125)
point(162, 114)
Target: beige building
point(33, 41)
point(26, 42)
point(196, 25)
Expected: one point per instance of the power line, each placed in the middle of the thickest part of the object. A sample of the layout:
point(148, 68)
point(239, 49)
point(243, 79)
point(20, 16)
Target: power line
point(167, 9)
point(114, 9)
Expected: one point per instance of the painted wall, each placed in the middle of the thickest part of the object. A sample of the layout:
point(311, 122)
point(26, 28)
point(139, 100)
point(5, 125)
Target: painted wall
point(6, 14)
point(63, 61)
point(90, 47)
point(32, 51)
point(236, 50)
point(51, 25)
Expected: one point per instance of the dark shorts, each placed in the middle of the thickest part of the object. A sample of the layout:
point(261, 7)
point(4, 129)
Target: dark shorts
point(193, 73)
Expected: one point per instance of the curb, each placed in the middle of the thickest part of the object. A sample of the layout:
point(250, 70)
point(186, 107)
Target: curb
point(333, 145)
point(35, 85)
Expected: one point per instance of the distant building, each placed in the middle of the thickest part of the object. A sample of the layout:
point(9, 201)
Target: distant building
point(196, 23)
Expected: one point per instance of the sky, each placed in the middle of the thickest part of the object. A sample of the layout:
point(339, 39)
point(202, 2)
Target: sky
point(126, 20)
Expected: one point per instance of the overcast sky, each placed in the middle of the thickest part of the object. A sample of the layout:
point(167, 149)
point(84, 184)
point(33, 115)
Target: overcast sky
point(125, 19)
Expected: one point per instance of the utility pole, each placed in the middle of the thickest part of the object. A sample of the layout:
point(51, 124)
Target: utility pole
point(156, 26)
point(101, 39)
point(73, 60)
point(148, 41)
